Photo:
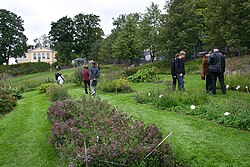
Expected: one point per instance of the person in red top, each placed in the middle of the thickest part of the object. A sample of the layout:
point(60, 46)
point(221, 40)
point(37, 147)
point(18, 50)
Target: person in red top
point(85, 78)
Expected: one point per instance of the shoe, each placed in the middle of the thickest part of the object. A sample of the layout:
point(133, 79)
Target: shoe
point(93, 93)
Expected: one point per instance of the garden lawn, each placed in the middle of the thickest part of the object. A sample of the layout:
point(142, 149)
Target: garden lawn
point(195, 141)
point(24, 134)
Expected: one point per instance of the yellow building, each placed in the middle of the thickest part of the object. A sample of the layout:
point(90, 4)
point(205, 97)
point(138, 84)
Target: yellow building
point(42, 54)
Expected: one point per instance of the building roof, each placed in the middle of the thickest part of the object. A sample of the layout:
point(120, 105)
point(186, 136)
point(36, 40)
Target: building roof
point(41, 48)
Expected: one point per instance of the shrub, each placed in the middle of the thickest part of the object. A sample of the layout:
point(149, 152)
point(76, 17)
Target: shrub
point(117, 85)
point(8, 97)
point(144, 75)
point(44, 87)
point(78, 75)
point(90, 132)
point(239, 113)
point(238, 79)
point(57, 92)
point(25, 68)
point(164, 99)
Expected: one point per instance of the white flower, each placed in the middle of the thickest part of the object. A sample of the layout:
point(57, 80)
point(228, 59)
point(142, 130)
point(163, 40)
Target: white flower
point(160, 96)
point(246, 87)
point(227, 86)
point(185, 93)
point(192, 107)
point(149, 94)
point(97, 138)
point(226, 113)
point(238, 87)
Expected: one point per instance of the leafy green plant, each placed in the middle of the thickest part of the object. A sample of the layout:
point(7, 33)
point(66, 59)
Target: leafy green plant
point(117, 85)
point(57, 92)
point(144, 75)
point(8, 97)
point(44, 87)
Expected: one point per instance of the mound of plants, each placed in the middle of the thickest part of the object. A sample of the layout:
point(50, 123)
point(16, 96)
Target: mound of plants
point(120, 85)
point(8, 97)
point(25, 68)
point(233, 113)
point(144, 75)
point(56, 92)
point(239, 81)
point(89, 132)
point(164, 99)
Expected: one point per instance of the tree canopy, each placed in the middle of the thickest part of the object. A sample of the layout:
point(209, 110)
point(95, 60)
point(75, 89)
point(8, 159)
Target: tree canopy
point(12, 40)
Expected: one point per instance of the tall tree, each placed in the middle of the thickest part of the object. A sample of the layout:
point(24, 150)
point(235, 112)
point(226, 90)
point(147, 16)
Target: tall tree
point(126, 45)
point(149, 29)
point(88, 35)
point(181, 28)
point(12, 40)
point(62, 37)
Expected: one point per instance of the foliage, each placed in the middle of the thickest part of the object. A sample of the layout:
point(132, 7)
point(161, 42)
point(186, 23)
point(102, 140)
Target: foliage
point(25, 68)
point(238, 81)
point(43, 41)
point(43, 88)
point(12, 39)
point(61, 35)
point(78, 75)
point(149, 29)
point(164, 99)
point(57, 92)
point(92, 133)
point(144, 75)
point(8, 97)
point(88, 35)
point(117, 85)
point(239, 114)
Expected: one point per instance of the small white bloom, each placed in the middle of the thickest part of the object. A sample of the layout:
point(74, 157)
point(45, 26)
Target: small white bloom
point(97, 138)
point(246, 87)
point(160, 96)
point(149, 94)
point(226, 113)
point(185, 93)
point(238, 87)
point(227, 86)
point(192, 107)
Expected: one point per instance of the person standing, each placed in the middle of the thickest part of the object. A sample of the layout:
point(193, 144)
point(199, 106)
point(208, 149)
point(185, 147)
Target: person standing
point(85, 78)
point(207, 75)
point(94, 73)
point(59, 78)
point(180, 70)
point(173, 71)
point(216, 66)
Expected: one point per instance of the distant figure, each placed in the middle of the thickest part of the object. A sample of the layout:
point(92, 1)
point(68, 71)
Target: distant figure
point(207, 75)
point(173, 71)
point(94, 73)
point(216, 66)
point(85, 78)
point(180, 70)
point(59, 78)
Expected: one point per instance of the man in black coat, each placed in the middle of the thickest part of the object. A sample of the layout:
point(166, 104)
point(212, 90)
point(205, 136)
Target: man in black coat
point(216, 66)
point(180, 70)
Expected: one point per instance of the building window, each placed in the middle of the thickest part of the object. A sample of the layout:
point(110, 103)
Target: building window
point(34, 56)
point(48, 56)
point(43, 56)
point(39, 56)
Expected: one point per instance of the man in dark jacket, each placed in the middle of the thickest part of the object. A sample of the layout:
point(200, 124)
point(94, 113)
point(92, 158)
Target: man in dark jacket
point(216, 66)
point(180, 70)
point(173, 71)
point(94, 73)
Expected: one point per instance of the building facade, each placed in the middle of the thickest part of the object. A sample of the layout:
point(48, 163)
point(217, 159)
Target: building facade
point(42, 54)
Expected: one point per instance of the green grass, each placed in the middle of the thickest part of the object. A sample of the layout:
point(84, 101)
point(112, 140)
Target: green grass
point(195, 141)
point(24, 134)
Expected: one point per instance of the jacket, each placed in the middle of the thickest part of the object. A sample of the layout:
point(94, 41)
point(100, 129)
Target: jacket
point(217, 59)
point(179, 66)
point(85, 75)
point(94, 72)
point(173, 71)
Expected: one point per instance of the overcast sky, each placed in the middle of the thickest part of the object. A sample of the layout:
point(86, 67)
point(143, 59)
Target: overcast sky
point(38, 14)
